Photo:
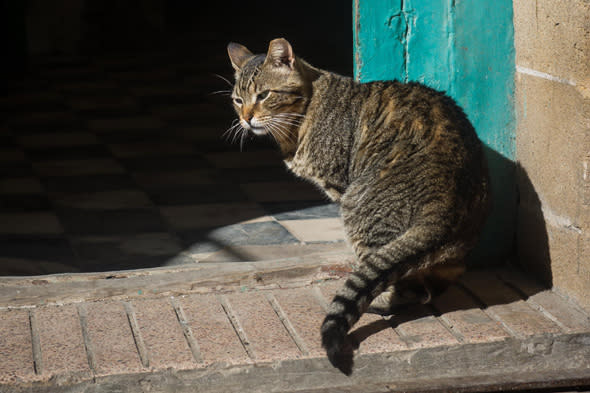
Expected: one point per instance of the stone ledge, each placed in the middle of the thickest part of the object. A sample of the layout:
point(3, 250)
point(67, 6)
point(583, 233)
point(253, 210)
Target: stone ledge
point(183, 279)
point(506, 365)
point(495, 330)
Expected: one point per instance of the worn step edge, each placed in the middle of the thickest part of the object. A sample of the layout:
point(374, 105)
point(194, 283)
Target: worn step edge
point(199, 278)
point(542, 361)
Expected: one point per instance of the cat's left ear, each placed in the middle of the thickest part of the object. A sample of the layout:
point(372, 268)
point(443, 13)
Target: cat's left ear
point(280, 53)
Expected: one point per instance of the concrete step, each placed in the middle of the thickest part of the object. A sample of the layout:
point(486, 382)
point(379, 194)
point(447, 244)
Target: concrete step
point(494, 330)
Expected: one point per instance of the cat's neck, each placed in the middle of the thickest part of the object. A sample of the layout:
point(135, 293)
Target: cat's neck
point(330, 120)
point(309, 72)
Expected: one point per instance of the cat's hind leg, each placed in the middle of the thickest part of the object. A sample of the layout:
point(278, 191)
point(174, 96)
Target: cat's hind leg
point(418, 287)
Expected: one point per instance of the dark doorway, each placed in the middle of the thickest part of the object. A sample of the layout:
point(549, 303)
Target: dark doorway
point(111, 153)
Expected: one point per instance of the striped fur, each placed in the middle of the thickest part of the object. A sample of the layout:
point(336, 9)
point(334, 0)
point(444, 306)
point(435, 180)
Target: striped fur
point(402, 160)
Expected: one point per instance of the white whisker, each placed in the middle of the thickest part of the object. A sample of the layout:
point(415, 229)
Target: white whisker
point(288, 121)
point(221, 92)
point(234, 125)
point(276, 134)
point(225, 80)
point(280, 130)
point(242, 138)
point(286, 114)
point(239, 131)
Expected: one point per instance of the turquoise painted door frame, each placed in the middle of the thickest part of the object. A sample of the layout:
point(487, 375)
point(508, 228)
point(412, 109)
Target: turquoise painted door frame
point(465, 48)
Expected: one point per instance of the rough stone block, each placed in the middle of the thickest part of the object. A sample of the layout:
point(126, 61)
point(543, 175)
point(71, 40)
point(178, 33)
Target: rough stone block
point(552, 37)
point(568, 275)
point(549, 145)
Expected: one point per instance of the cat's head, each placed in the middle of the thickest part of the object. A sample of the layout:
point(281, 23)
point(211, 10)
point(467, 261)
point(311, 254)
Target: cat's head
point(271, 91)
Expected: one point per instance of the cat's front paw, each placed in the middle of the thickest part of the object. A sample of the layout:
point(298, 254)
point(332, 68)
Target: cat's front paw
point(338, 346)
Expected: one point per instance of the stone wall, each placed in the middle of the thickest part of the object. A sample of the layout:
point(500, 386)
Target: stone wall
point(552, 42)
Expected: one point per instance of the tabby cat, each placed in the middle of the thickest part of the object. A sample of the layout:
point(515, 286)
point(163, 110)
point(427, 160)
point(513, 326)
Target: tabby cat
point(401, 159)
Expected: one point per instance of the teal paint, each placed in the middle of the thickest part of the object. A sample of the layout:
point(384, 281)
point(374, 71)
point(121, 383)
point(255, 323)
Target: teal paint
point(379, 41)
point(462, 47)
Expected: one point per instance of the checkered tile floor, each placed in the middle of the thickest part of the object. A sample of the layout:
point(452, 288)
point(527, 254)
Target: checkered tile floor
point(119, 163)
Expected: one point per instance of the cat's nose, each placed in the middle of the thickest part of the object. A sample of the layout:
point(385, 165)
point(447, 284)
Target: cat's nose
point(247, 115)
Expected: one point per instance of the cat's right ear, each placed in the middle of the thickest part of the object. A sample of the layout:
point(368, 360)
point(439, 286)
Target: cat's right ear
point(238, 54)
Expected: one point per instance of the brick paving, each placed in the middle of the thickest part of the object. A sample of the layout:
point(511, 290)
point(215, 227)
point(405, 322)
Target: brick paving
point(248, 331)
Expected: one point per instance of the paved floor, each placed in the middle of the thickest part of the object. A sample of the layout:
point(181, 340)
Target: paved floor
point(495, 330)
point(121, 162)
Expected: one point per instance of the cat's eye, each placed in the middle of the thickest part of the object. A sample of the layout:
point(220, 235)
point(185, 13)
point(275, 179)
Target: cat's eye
point(238, 101)
point(262, 96)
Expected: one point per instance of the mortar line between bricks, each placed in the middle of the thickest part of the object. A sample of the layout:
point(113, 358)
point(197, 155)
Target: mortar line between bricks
point(287, 324)
point(139, 343)
point(532, 305)
point(446, 324)
point(187, 331)
point(480, 303)
point(512, 287)
point(571, 302)
point(319, 296)
point(536, 306)
point(485, 309)
point(498, 319)
point(35, 343)
point(400, 333)
point(83, 316)
point(233, 319)
point(405, 335)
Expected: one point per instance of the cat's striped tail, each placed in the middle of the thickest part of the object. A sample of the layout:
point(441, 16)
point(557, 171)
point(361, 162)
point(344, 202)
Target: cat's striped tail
point(377, 269)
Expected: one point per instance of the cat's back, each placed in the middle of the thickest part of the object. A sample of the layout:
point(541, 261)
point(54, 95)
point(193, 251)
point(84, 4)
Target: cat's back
point(413, 110)
point(391, 111)
point(402, 123)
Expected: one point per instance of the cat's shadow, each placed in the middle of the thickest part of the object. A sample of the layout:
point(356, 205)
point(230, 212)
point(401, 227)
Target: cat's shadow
point(362, 333)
